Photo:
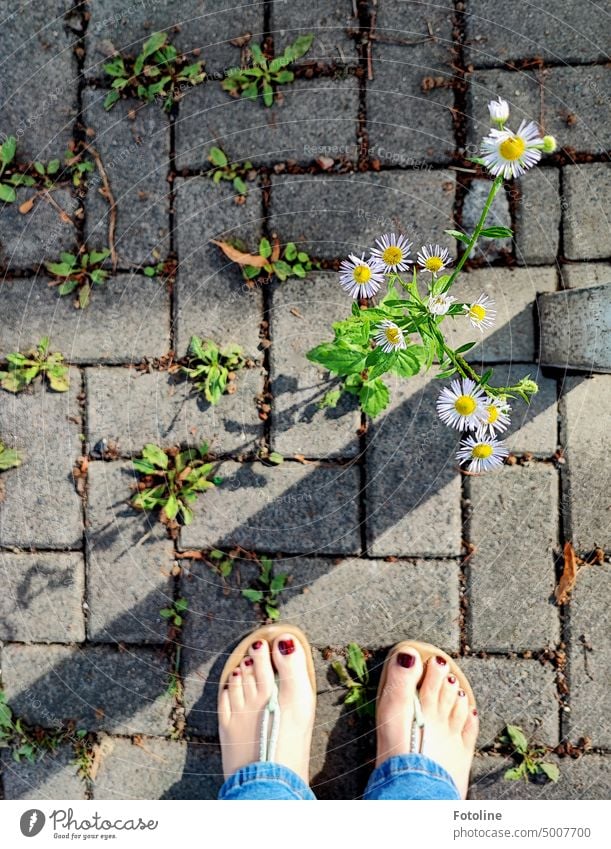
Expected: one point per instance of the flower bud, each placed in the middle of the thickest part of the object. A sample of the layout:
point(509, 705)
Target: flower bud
point(499, 110)
point(549, 144)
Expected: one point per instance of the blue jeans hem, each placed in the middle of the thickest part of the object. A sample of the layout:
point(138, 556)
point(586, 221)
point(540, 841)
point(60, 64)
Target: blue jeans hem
point(412, 776)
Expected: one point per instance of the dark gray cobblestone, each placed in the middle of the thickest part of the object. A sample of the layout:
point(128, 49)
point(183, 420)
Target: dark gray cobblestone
point(588, 777)
point(330, 24)
point(54, 776)
point(26, 241)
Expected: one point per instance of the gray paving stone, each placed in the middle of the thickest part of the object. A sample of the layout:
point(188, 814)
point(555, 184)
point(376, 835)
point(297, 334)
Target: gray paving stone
point(574, 100)
point(584, 274)
point(336, 215)
point(210, 296)
point(315, 118)
point(588, 195)
point(39, 78)
point(526, 31)
point(538, 215)
point(26, 241)
point(513, 337)
point(54, 776)
point(516, 692)
point(514, 531)
point(129, 561)
point(588, 777)
point(302, 313)
point(576, 329)
point(413, 484)
point(534, 426)
point(590, 656)
point(100, 688)
point(290, 508)
point(204, 25)
point(156, 408)
point(585, 407)
point(376, 604)
point(41, 597)
point(128, 319)
point(328, 22)
point(44, 427)
point(499, 216)
point(137, 176)
point(424, 29)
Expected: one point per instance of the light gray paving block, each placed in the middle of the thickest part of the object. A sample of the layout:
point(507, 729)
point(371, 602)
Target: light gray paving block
point(289, 508)
point(584, 274)
point(157, 408)
point(101, 688)
point(419, 28)
point(128, 319)
point(41, 507)
point(587, 200)
point(330, 23)
point(41, 597)
point(211, 298)
point(314, 118)
point(513, 691)
point(586, 406)
point(534, 426)
point(514, 527)
point(302, 313)
point(54, 776)
point(538, 215)
point(26, 241)
point(343, 213)
point(590, 656)
point(133, 141)
point(499, 216)
point(129, 561)
point(576, 329)
point(513, 337)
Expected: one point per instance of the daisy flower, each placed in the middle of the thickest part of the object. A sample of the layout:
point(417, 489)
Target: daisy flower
point(393, 251)
point(389, 337)
point(361, 277)
point(497, 418)
point(434, 258)
point(440, 304)
point(499, 111)
point(482, 452)
point(461, 405)
point(482, 313)
point(511, 154)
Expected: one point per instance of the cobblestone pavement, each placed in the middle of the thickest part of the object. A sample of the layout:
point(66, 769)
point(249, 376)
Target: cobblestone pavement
point(382, 537)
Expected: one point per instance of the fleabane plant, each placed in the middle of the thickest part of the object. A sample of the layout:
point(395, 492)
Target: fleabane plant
point(400, 305)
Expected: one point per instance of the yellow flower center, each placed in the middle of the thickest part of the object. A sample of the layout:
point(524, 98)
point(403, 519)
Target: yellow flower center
point(477, 312)
point(362, 274)
point(392, 334)
point(512, 148)
point(481, 451)
point(465, 405)
point(392, 255)
point(433, 263)
point(493, 414)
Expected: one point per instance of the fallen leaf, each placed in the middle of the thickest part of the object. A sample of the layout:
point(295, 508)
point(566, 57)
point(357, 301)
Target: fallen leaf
point(569, 574)
point(27, 205)
point(190, 554)
point(238, 256)
point(275, 255)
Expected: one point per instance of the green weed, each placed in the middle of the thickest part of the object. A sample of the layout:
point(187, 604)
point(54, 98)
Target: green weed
point(237, 173)
point(25, 368)
point(260, 79)
point(267, 588)
point(213, 369)
point(530, 759)
point(359, 691)
point(79, 273)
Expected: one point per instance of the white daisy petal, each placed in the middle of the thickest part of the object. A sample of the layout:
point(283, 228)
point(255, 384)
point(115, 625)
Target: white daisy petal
point(481, 313)
point(361, 277)
point(434, 258)
point(497, 416)
point(499, 110)
point(440, 304)
point(482, 452)
point(511, 154)
point(393, 251)
point(389, 337)
point(461, 405)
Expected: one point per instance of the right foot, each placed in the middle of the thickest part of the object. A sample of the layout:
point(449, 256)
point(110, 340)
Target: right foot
point(451, 724)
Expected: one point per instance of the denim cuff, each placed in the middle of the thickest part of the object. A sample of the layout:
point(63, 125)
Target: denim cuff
point(412, 776)
point(265, 780)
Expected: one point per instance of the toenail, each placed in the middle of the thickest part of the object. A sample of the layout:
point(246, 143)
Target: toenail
point(236, 672)
point(461, 692)
point(286, 646)
point(257, 644)
point(249, 662)
point(226, 687)
point(474, 712)
point(441, 660)
point(406, 660)
point(451, 679)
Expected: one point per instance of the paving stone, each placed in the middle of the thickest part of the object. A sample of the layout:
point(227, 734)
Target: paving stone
point(588, 777)
point(576, 329)
point(39, 76)
point(574, 100)
point(302, 314)
point(43, 426)
point(588, 196)
point(499, 216)
point(330, 24)
point(290, 508)
point(526, 31)
point(590, 656)
point(26, 241)
point(137, 175)
point(41, 597)
point(513, 337)
point(54, 776)
point(514, 530)
point(381, 603)
point(127, 320)
point(210, 296)
point(585, 407)
point(158, 408)
point(204, 25)
point(584, 274)
point(100, 688)
point(420, 28)
point(413, 484)
point(513, 691)
point(129, 561)
point(316, 118)
point(335, 215)
point(538, 215)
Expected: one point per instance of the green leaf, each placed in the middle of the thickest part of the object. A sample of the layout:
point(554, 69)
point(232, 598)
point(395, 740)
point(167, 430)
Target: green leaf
point(464, 348)
point(143, 466)
point(518, 738)
point(290, 251)
point(58, 378)
point(171, 507)
point(61, 269)
point(374, 397)
point(181, 604)
point(551, 770)
point(155, 455)
point(515, 773)
point(462, 237)
point(272, 612)
point(53, 166)
point(253, 595)
point(217, 157)
point(239, 185)
point(356, 661)
point(330, 399)
point(275, 458)
point(154, 43)
point(96, 257)
point(299, 47)
point(265, 248)
point(110, 99)
point(9, 459)
point(278, 583)
point(268, 94)
point(84, 295)
point(408, 362)
point(8, 150)
point(166, 612)
point(285, 76)
point(22, 180)
point(338, 357)
point(7, 193)
point(497, 232)
point(282, 269)
point(116, 67)
point(149, 271)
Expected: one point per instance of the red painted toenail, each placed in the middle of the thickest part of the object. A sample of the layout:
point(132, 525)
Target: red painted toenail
point(441, 660)
point(257, 644)
point(474, 712)
point(226, 687)
point(236, 672)
point(286, 646)
point(406, 660)
point(461, 692)
point(451, 679)
point(249, 662)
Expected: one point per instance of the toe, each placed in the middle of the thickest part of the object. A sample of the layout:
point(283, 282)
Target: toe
point(259, 651)
point(247, 671)
point(435, 674)
point(448, 695)
point(470, 729)
point(460, 711)
point(224, 707)
point(235, 690)
point(404, 670)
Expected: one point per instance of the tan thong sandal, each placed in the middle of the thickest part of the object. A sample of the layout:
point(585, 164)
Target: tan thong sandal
point(426, 652)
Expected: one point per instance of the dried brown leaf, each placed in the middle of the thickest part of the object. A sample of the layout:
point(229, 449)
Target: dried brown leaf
point(569, 574)
point(238, 256)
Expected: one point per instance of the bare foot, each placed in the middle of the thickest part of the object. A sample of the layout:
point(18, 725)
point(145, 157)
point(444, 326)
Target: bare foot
point(247, 693)
point(451, 724)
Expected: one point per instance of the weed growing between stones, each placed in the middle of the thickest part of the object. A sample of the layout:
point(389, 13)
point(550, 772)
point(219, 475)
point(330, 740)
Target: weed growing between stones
point(360, 693)
point(28, 743)
point(23, 369)
point(267, 588)
point(529, 758)
point(33, 175)
point(175, 617)
point(273, 260)
point(265, 73)
point(212, 369)
point(9, 458)
point(237, 173)
point(175, 613)
point(79, 274)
